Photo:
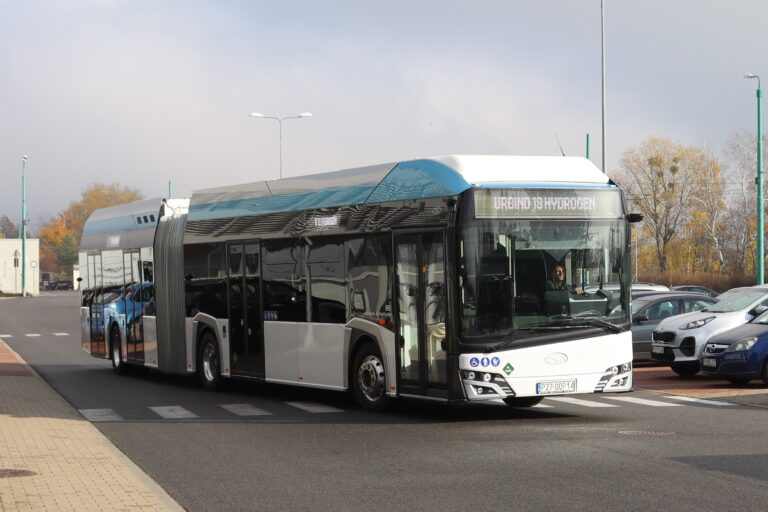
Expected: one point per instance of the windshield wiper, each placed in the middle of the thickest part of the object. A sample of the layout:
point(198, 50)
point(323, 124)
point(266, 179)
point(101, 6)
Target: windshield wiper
point(566, 322)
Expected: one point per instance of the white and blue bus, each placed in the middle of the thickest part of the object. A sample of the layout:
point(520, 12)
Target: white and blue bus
point(428, 278)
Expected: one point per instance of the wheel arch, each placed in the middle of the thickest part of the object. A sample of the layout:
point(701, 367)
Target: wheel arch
point(361, 331)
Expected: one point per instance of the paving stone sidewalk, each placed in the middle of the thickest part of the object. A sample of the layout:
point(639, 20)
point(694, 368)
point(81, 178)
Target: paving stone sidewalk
point(51, 458)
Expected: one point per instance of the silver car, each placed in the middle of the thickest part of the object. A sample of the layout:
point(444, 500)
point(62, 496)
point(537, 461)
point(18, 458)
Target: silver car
point(650, 309)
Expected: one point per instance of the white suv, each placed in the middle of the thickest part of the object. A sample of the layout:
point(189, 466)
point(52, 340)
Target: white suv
point(678, 340)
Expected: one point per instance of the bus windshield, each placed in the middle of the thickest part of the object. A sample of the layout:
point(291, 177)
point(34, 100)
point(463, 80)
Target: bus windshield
point(528, 279)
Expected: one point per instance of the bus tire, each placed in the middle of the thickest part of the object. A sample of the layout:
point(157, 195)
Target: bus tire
point(118, 366)
point(209, 362)
point(368, 380)
point(523, 401)
point(686, 369)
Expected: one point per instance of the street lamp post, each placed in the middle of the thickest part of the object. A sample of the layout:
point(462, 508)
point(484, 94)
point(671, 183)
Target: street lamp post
point(760, 209)
point(280, 123)
point(23, 226)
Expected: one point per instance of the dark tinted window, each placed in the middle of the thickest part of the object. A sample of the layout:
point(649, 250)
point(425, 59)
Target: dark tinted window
point(284, 281)
point(369, 270)
point(205, 272)
point(326, 272)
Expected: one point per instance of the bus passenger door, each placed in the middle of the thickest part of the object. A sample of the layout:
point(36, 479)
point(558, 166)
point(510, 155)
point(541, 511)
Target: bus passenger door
point(95, 305)
point(245, 330)
point(421, 310)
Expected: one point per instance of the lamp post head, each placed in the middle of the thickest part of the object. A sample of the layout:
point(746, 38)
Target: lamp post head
point(305, 114)
point(750, 75)
point(24, 158)
point(257, 114)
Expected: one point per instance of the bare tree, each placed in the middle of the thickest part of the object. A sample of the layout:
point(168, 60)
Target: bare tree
point(708, 207)
point(740, 170)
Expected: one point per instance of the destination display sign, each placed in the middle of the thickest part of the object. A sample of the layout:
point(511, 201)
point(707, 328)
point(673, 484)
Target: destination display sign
point(493, 203)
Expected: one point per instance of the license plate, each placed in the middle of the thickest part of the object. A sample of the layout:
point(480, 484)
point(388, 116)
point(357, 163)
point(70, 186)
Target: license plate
point(710, 363)
point(657, 350)
point(556, 386)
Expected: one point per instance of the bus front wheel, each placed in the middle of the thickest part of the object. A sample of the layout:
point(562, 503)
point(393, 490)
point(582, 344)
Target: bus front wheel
point(209, 366)
point(117, 357)
point(368, 379)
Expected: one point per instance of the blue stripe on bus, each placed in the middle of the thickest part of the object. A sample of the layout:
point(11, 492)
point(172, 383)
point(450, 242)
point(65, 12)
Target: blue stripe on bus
point(115, 224)
point(325, 198)
point(419, 179)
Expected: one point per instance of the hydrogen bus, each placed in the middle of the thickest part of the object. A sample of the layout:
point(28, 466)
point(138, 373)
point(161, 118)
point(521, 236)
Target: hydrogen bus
point(427, 278)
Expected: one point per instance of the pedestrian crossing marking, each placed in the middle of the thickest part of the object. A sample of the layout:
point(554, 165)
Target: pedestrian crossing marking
point(61, 334)
point(95, 415)
point(642, 401)
point(701, 401)
point(32, 335)
point(245, 410)
point(173, 412)
point(313, 407)
point(6, 335)
point(578, 401)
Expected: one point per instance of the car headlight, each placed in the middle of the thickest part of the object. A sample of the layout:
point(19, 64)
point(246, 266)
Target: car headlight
point(697, 323)
point(742, 344)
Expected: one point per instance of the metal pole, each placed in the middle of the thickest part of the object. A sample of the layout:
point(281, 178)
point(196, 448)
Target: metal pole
point(280, 122)
point(602, 60)
point(760, 206)
point(587, 145)
point(23, 227)
point(170, 189)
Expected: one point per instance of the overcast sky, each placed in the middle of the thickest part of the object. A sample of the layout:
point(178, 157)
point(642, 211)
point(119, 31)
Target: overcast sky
point(140, 92)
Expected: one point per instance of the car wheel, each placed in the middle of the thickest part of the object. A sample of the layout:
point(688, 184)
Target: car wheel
point(209, 363)
point(686, 369)
point(738, 381)
point(524, 401)
point(368, 380)
point(117, 357)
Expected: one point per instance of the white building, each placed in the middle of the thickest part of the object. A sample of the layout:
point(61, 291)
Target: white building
point(10, 265)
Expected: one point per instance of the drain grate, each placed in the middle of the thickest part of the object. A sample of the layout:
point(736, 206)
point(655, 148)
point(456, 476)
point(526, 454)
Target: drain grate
point(13, 473)
point(650, 433)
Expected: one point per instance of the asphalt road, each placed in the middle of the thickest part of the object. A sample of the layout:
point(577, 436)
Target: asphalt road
point(260, 447)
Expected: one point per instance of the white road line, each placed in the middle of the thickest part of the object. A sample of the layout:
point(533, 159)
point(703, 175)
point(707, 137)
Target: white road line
point(173, 412)
point(578, 401)
point(542, 406)
point(61, 334)
point(6, 335)
point(245, 410)
point(32, 335)
point(100, 415)
point(313, 407)
point(642, 401)
point(702, 401)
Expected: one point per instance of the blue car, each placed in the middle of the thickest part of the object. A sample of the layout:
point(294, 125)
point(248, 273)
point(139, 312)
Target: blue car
point(740, 354)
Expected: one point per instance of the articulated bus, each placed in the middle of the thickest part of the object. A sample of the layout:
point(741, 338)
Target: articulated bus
point(427, 278)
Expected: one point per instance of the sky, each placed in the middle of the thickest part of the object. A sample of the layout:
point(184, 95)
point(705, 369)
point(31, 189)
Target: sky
point(147, 92)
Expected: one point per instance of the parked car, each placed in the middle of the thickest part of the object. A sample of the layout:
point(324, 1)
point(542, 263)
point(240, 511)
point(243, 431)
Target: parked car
point(652, 307)
point(740, 354)
point(63, 284)
point(678, 341)
point(695, 288)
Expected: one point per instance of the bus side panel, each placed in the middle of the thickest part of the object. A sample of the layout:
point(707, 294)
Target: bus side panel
point(150, 341)
point(85, 329)
point(321, 349)
point(280, 353)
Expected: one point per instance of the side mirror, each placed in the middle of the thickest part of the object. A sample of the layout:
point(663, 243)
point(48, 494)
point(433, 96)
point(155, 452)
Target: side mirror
point(79, 279)
point(757, 310)
point(641, 318)
point(634, 217)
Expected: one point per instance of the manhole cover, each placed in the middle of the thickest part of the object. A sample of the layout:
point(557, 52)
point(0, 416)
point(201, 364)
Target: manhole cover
point(11, 473)
point(645, 433)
